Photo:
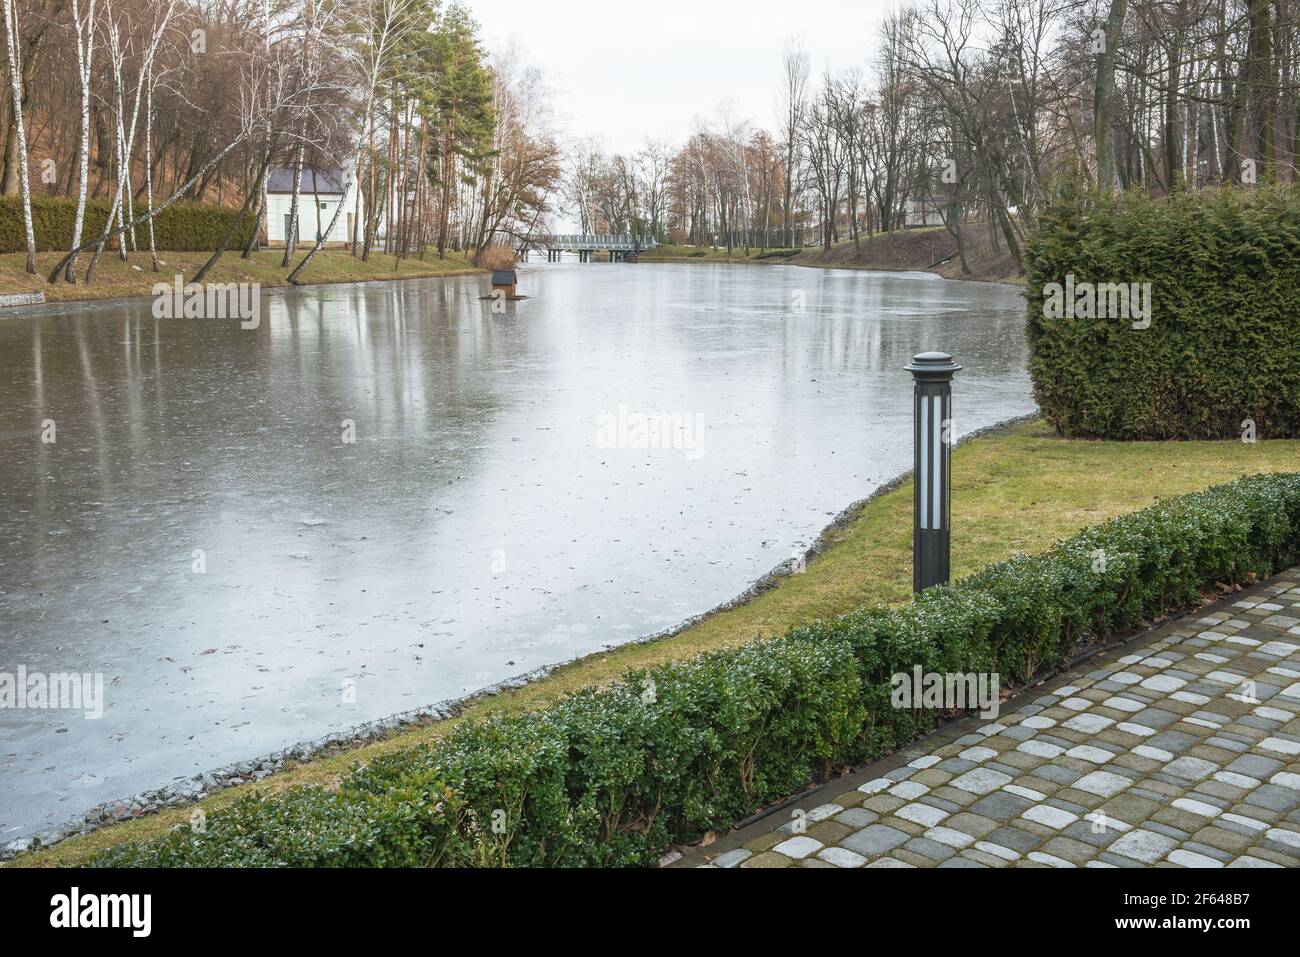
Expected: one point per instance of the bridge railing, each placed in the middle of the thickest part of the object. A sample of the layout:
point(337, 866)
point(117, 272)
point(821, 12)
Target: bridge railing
point(600, 241)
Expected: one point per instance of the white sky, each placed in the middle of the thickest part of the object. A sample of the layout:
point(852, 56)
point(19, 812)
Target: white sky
point(625, 70)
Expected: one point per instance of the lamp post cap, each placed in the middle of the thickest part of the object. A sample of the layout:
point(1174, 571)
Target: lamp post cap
point(928, 364)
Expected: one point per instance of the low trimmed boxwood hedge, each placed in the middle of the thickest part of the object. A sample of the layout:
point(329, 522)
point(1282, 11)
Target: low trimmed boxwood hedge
point(184, 227)
point(611, 777)
point(1223, 342)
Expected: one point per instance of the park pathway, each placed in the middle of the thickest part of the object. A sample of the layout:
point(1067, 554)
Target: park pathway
point(1181, 748)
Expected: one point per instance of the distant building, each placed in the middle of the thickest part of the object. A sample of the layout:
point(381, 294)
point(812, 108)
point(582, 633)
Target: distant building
point(318, 197)
point(922, 212)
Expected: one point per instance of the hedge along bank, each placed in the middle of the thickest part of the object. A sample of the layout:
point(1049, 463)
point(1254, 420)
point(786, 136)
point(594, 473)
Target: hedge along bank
point(1167, 319)
point(613, 776)
point(183, 227)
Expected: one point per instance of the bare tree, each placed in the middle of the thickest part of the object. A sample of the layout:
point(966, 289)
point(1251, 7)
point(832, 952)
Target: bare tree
point(13, 52)
point(792, 112)
point(85, 41)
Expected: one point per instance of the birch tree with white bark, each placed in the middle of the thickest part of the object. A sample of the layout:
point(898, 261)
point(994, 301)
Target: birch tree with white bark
point(13, 49)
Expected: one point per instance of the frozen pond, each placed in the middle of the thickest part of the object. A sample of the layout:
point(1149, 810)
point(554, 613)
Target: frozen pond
point(209, 533)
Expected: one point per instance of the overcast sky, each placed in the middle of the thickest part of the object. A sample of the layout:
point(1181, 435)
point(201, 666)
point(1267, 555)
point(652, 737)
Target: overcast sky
point(624, 71)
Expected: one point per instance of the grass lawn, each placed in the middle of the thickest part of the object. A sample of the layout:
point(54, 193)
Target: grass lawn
point(115, 279)
point(1016, 491)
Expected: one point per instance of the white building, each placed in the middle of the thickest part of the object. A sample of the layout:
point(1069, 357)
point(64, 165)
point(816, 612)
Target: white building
point(921, 212)
point(318, 199)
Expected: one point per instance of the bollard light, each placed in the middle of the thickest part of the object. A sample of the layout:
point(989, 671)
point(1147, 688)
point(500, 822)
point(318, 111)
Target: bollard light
point(931, 528)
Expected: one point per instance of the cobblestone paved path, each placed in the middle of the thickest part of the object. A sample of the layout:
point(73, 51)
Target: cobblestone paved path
point(1180, 749)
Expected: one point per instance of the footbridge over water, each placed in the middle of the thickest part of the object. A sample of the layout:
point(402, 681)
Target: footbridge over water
point(620, 248)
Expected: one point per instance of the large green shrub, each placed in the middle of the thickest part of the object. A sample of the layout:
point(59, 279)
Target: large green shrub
point(611, 777)
point(1223, 344)
point(182, 227)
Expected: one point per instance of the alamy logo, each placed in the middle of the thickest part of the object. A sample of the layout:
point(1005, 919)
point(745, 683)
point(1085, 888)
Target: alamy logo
point(134, 911)
point(216, 300)
point(946, 691)
point(39, 691)
point(1102, 300)
point(635, 430)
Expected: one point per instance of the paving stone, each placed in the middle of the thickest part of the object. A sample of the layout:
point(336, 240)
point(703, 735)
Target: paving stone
point(1193, 769)
point(1175, 741)
point(981, 781)
point(799, 847)
point(883, 803)
point(923, 814)
point(1274, 798)
point(1068, 849)
point(1208, 850)
point(1225, 837)
point(1248, 861)
point(1154, 718)
point(1025, 792)
point(1142, 845)
point(1158, 758)
point(1051, 860)
point(1088, 723)
point(1281, 745)
point(874, 840)
point(841, 857)
point(933, 850)
point(857, 817)
point(732, 858)
point(950, 837)
point(1102, 783)
point(1040, 749)
point(1098, 832)
point(1255, 765)
point(1200, 808)
point(1057, 774)
point(908, 790)
point(1187, 858)
point(983, 857)
point(1002, 805)
point(1050, 816)
point(1093, 755)
point(1282, 835)
point(830, 832)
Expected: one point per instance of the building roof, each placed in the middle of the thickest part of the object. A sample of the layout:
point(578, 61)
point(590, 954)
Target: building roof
point(327, 182)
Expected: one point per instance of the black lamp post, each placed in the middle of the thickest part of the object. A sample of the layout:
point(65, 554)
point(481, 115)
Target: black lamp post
point(931, 525)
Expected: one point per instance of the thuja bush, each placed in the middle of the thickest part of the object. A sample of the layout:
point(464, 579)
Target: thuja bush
point(612, 776)
point(182, 227)
point(1167, 318)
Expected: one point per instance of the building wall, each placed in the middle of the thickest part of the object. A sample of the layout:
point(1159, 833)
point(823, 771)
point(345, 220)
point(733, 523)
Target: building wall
point(917, 213)
point(310, 219)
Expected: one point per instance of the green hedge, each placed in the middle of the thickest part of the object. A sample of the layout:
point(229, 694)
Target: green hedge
point(1224, 341)
point(611, 777)
point(182, 227)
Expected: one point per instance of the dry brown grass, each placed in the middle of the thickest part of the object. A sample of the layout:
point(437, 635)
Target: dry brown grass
point(497, 257)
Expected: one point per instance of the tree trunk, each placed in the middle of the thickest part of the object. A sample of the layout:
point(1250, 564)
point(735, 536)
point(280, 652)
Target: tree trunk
point(16, 88)
point(291, 237)
point(85, 54)
point(1103, 120)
